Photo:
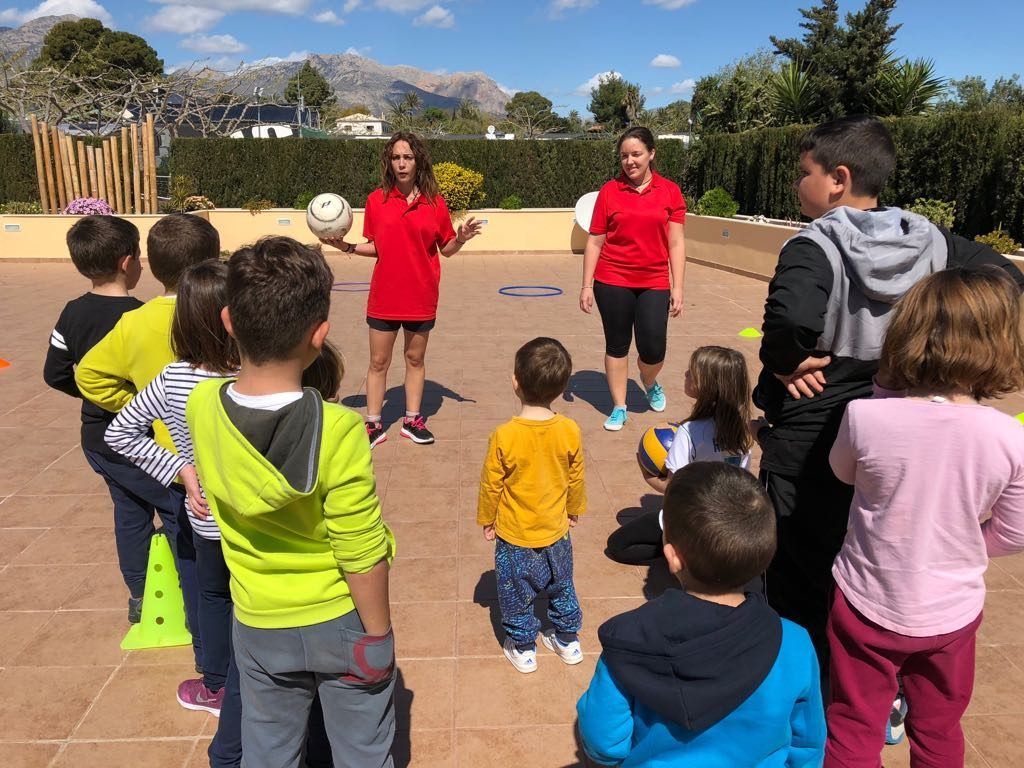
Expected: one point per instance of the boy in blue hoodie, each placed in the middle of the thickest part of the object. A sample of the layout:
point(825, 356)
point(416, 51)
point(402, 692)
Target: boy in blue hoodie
point(707, 675)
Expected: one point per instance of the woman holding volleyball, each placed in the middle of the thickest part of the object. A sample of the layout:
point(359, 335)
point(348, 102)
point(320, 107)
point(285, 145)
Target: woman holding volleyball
point(633, 268)
point(407, 224)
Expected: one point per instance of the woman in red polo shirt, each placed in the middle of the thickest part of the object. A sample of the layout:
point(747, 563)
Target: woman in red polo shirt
point(633, 268)
point(407, 224)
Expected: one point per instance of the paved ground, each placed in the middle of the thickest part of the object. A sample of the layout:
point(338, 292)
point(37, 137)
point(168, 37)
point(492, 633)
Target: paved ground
point(70, 697)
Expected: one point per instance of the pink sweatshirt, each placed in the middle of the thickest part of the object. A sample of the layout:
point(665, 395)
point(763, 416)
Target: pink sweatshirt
point(925, 474)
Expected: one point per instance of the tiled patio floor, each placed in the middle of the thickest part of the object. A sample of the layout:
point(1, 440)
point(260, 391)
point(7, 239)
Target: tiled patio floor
point(70, 697)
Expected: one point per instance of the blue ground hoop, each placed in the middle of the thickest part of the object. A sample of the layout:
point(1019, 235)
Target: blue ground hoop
point(350, 287)
point(530, 291)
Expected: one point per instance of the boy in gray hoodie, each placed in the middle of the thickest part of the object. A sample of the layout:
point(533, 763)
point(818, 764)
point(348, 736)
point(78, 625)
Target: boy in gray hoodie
point(825, 317)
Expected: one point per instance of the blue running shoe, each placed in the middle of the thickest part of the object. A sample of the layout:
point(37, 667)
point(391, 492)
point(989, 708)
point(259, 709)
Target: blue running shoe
point(894, 728)
point(616, 420)
point(656, 397)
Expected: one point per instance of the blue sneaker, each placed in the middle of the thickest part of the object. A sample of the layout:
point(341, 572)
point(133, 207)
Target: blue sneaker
point(616, 420)
point(894, 728)
point(656, 397)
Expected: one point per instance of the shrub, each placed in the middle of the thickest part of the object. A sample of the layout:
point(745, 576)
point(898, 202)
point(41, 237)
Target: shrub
point(460, 187)
point(198, 203)
point(303, 200)
point(257, 205)
point(88, 206)
point(999, 241)
point(938, 212)
point(182, 187)
point(511, 203)
point(717, 202)
point(16, 208)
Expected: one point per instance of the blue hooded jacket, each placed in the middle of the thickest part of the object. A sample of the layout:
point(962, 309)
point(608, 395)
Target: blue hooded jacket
point(684, 681)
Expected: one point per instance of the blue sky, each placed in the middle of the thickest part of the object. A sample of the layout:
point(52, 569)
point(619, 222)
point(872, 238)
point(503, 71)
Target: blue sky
point(556, 47)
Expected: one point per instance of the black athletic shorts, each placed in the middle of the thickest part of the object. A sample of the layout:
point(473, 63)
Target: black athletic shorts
point(413, 326)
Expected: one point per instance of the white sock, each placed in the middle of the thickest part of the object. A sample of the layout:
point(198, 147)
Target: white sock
point(373, 419)
point(411, 414)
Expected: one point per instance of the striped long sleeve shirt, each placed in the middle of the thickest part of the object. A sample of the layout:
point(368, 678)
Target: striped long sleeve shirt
point(164, 399)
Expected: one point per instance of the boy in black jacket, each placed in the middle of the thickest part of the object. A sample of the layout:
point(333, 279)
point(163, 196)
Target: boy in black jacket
point(105, 249)
point(825, 317)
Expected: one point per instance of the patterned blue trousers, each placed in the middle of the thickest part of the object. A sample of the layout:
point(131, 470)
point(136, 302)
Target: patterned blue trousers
point(524, 573)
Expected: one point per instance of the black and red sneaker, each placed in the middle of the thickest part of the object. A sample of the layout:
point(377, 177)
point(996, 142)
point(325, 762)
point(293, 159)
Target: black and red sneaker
point(416, 430)
point(376, 433)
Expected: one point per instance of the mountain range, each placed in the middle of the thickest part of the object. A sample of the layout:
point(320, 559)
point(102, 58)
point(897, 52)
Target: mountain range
point(356, 80)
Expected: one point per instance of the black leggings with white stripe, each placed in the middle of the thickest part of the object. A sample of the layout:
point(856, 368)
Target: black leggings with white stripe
point(629, 312)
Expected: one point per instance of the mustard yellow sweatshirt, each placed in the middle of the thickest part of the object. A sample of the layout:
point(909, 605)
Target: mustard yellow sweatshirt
point(128, 358)
point(532, 480)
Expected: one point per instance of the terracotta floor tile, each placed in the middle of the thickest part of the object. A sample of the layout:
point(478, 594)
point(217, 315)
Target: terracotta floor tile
point(597, 576)
point(997, 739)
point(17, 630)
point(66, 480)
point(1004, 620)
point(26, 754)
point(27, 715)
point(152, 754)
point(425, 538)
point(476, 578)
point(490, 692)
point(82, 546)
point(424, 630)
point(139, 702)
point(422, 476)
point(39, 587)
point(547, 745)
point(424, 749)
point(101, 589)
point(415, 579)
point(50, 511)
point(200, 758)
point(76, 639)
point(425, 694)
point(479, 629)
point(471, 539)
point(404, 504)
point(14, 541)
point(181, 657)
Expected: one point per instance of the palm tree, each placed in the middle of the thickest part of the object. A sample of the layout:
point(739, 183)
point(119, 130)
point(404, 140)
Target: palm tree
point(632, 102)
point(907, 88)
point(794, 98)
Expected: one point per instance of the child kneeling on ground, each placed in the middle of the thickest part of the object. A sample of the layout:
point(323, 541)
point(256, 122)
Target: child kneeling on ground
point(707, 675)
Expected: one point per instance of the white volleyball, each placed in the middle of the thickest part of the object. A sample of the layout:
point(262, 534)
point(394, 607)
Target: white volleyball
point(329, 216)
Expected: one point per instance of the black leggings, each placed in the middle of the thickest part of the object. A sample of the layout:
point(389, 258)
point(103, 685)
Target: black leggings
point(626, 312)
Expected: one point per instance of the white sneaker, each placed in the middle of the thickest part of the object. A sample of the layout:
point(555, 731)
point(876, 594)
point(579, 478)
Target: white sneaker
point(570, 653)
point(524, 661)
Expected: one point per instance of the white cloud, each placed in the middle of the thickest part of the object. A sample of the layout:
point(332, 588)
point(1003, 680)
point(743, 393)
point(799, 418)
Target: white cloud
point(666, 61)
point(329, 17)
point(270, 60)
point(213, 44)
point(654, 91)
point(361, 52)
point(670, 5)
point(506, 90)
point(401, 6)
point(683, 86)
point(289, 7)
point(351, 5)
point(436, 16)
point(584, 89)
point(183, 19)
point(558, 7)
point(82, 8)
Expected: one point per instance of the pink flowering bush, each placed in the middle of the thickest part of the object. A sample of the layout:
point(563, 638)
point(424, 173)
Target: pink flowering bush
point(88, 206)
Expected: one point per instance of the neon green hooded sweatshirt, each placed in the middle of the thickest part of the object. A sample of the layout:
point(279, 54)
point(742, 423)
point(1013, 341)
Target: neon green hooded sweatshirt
point(295, 497)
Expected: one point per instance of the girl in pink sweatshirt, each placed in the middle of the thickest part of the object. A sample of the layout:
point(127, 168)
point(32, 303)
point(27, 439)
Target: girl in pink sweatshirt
point(938, 489)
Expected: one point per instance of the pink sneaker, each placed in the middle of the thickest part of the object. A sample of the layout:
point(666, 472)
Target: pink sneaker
point(192, 694)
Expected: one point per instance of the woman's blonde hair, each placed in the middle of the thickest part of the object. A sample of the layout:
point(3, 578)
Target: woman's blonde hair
point(722, 384)
point(958, 330)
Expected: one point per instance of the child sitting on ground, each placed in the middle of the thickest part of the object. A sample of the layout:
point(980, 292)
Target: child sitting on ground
point(926, 468)
point(717, 429)
point(707, 675)
point(531, 494)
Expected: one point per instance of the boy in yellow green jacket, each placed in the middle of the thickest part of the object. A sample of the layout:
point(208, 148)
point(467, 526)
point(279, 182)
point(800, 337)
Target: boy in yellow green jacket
point(531, 493)
point(289, 479)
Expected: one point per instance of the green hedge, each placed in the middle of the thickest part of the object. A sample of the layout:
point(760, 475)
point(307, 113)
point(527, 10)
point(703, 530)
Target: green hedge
point(543, 174)
point(17, 168)
point(973, 159)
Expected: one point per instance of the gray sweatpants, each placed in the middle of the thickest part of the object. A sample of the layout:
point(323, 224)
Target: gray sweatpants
point(280, 669)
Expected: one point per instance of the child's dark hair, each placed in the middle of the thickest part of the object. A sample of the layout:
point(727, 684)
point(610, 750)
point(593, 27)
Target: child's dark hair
point(641, 134)
point(720, 520)
point(325, 373)
point(98, 243)
point(722, 384)
point(860, 142)
point(178, 241)
point(278, 290)
point(958, 330)
point(198, 336)
point(543, 367)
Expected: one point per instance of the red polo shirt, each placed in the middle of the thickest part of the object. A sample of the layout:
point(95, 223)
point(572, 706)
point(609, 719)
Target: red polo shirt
point(407, 274)
point(635, 252)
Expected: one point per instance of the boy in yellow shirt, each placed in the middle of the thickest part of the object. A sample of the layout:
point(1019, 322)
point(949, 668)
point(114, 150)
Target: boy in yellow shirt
point(531, 494)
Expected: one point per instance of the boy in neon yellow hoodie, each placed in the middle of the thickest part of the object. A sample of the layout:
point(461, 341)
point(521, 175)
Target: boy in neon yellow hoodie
point(289, 479)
